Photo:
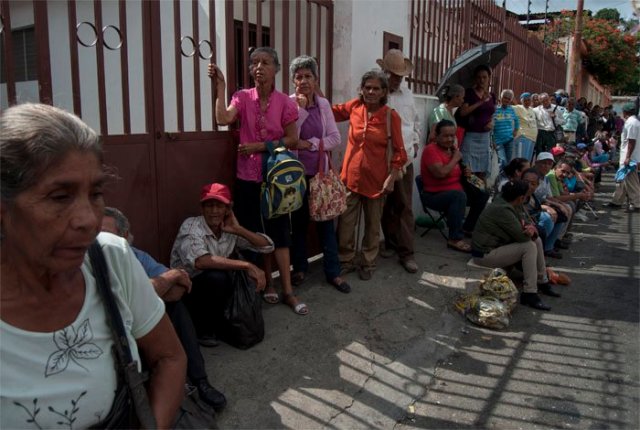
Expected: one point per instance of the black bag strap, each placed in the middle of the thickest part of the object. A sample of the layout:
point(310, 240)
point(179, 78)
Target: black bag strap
point(129, 367)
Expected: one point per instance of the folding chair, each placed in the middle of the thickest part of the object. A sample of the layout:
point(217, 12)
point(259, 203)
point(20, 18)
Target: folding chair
point(433, 222)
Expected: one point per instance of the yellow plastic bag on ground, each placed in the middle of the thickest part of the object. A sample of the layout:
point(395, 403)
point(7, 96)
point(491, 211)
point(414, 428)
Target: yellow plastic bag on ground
point(491, 305)
point(497, 284)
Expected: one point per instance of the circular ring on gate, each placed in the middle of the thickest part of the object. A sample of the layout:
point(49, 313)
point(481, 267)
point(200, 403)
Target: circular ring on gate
point(193, 43)
point(95, 32)
point(104, 41)
point(205, 57)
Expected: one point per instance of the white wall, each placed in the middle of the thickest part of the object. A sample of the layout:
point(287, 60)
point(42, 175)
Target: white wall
point(358, 41)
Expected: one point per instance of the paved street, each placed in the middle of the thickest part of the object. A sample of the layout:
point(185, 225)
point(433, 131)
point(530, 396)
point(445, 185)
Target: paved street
point(393, 353)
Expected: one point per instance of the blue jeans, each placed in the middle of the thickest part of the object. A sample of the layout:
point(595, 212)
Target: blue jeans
point(453, 204)
point(552, 231)
point(504, 151)
point(327, 236)
point(602, 158)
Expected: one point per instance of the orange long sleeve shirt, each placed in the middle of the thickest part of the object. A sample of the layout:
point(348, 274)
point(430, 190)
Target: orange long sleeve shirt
point(364, 168)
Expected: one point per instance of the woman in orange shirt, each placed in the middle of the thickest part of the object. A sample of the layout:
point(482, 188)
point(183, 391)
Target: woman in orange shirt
point(373, 160)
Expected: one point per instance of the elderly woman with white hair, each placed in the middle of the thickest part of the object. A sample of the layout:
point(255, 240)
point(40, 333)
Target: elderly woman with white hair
point(505, 127)
point(318, 135)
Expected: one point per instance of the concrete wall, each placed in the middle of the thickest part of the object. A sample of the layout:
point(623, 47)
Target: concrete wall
point(358, 41)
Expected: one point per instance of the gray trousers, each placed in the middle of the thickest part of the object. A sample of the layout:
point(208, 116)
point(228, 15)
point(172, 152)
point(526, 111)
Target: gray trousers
point(630, 187)
point(530, 253)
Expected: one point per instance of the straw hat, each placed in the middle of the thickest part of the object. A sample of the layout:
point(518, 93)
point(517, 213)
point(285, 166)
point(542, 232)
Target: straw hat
point(395, 63)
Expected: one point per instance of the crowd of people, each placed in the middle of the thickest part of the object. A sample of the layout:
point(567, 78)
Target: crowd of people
point(551, 150)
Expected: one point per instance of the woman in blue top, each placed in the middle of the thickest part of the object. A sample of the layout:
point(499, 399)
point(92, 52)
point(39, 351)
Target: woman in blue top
point(505, 127)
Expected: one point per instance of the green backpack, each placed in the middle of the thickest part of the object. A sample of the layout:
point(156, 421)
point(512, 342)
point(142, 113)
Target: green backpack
point(284, 182)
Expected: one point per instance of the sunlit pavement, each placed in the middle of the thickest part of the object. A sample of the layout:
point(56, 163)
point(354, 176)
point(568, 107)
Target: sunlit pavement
point(393, 353)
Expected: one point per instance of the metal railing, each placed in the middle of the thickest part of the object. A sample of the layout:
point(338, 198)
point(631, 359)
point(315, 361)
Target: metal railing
point(443, 29)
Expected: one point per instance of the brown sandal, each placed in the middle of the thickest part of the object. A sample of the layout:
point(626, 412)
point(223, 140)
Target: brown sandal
point(459, 245)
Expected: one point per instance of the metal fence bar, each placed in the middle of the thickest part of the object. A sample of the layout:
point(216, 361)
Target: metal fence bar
point(124, 66)
point(73, 54)
point(214, 58)
point(245, 44)
point(195, 24)
point(102, 93)
point(178, 60)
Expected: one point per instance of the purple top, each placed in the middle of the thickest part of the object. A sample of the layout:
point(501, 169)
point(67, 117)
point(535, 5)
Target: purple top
point(311, 127)
point(258, 126)
point(314, 125)
point(476, 121)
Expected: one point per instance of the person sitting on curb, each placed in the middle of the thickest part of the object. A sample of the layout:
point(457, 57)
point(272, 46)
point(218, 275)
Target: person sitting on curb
point(205, 247)
point(442, 186)
point(170, 285)
point(546, 221)
point(560, 211)
point(502, 239)
point(556, 178)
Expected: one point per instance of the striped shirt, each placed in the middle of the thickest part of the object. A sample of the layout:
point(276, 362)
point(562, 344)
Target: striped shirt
point(505, 122)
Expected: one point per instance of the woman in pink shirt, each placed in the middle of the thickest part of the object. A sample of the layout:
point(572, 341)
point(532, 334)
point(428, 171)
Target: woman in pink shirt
point(267, 116)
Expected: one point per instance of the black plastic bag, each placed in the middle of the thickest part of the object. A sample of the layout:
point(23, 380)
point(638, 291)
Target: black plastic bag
point(243, 323)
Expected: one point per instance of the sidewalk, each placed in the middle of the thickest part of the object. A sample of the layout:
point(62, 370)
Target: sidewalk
point(393, 353)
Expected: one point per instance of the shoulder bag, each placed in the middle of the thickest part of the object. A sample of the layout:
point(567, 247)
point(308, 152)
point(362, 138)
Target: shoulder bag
point(131, 408)
point(327, 193)
point(131, 403)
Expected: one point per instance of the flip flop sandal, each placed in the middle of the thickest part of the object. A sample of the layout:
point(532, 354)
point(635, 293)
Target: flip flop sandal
point(271, 298)
point(300, 308)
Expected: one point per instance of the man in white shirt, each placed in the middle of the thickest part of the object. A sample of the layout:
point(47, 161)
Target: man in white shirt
point(549, 117)
point(629, 154)
point(397, 217)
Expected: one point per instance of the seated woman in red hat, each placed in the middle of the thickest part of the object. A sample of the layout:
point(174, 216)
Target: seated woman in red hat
point(204, 247)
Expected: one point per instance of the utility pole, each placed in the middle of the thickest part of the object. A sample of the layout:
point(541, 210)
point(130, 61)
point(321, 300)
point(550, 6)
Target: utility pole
point(575, 61)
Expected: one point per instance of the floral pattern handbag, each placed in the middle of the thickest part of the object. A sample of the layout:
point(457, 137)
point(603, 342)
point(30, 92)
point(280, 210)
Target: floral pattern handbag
point(327, 193)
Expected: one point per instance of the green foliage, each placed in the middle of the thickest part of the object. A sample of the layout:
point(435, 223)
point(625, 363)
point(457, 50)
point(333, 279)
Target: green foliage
point(608, 14)
point(613, 56)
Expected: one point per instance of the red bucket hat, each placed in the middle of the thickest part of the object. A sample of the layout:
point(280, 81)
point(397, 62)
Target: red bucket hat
point(215, 191)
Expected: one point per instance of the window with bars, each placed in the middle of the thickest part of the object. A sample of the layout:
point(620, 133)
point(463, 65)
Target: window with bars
point(24, 55)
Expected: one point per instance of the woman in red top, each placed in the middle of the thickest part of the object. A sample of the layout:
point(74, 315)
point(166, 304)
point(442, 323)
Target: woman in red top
point(366, 170)
point(442, 186)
